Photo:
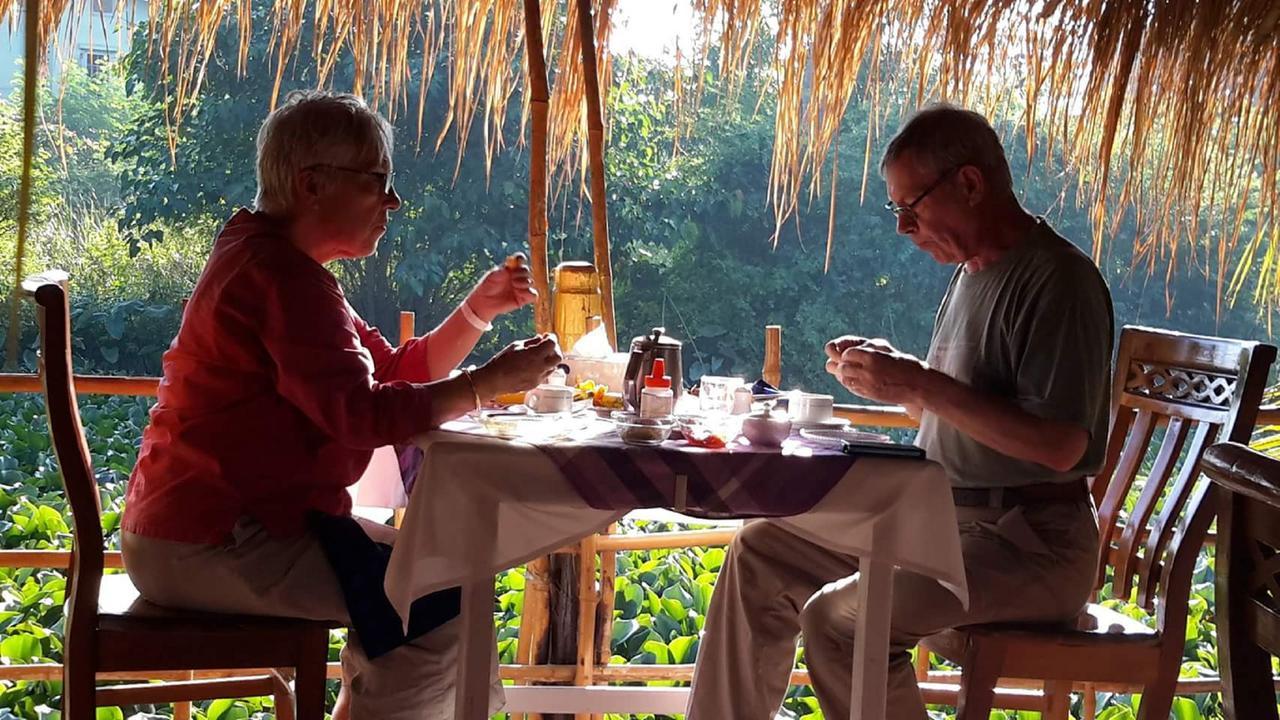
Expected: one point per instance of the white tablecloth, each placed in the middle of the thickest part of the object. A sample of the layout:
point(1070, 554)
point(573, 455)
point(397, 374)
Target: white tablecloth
point(481, 505)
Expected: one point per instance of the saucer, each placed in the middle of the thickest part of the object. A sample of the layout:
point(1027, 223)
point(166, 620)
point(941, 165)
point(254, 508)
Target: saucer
point(837, 437)
point(831, 423)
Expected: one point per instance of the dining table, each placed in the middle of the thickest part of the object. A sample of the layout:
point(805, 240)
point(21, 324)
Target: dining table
point(481, 504)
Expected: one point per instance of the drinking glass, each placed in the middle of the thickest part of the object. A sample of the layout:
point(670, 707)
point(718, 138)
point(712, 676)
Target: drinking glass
point(716, 394)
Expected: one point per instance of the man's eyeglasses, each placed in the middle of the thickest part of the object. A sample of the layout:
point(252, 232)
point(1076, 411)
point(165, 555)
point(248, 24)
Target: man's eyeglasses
point(385, 179)
point(908, 210)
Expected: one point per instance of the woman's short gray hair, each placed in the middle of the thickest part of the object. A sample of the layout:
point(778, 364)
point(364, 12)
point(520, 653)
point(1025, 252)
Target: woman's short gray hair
point(313, 127)
point(942, 137)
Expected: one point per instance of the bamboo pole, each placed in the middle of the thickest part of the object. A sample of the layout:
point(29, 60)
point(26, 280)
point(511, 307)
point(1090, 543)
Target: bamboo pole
point(536, 617)
point(607, 597)
point(595, 151)
point(587, 601)
point(30, 83)
point(539, 96)
point(585, 627)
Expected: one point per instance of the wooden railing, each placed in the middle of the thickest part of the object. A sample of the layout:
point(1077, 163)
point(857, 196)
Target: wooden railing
point(592, 668)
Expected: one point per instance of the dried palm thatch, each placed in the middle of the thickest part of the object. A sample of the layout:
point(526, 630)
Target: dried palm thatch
point(1165, 108)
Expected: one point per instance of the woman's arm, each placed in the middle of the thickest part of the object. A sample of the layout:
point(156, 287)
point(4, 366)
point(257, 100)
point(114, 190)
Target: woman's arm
point(437, 353)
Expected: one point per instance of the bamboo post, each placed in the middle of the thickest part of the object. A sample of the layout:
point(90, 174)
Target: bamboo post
point(607, 593)
point(588, 599)
point(31, 80)
point(595, 149)
point(530, 648)
point(772, 370)
point(539, 95)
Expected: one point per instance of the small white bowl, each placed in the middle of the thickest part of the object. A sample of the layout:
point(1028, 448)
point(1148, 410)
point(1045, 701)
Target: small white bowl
point(766, 430)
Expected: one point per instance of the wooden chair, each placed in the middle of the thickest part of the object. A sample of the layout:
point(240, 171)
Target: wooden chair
point(1248, 577)
point(109, 628)
point(1193, 390)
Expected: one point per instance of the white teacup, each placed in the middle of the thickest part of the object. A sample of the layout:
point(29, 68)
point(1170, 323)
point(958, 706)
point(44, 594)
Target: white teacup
point(809, 407)
point(550, 399)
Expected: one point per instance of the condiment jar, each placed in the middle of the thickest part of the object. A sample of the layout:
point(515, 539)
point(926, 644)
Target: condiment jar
point(657, 400)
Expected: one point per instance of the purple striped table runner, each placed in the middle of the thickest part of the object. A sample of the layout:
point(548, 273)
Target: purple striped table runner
point(738, 481)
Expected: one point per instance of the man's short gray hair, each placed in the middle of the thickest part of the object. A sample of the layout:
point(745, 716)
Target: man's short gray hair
point(942, 137)
point(315, 127)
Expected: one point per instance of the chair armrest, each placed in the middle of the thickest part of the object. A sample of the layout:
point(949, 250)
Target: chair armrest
point(1242, 470)
point(48, 277)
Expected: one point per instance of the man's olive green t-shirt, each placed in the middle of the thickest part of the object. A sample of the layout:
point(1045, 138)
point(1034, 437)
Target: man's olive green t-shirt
point(1036, 329)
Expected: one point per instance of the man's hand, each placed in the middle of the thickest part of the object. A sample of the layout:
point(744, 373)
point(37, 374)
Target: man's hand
point(873, 369)
point(835, 348)
point(503, 289)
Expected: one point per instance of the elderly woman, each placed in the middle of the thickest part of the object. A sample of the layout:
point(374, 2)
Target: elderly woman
point(276, 393)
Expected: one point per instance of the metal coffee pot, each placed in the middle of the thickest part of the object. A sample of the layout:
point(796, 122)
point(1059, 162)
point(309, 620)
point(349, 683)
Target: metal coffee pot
point(657, 344)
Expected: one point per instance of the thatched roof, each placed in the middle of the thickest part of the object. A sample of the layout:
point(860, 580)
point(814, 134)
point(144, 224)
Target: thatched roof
point(1166, 108)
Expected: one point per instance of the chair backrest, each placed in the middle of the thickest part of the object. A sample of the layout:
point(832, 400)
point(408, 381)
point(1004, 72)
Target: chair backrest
point(69, 445)
point(1184, 392)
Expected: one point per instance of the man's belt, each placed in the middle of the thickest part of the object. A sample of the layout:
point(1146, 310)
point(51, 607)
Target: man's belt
point(1008, 497)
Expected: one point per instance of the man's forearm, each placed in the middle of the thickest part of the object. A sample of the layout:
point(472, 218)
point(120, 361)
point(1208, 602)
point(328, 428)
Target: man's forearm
point(1001, 425)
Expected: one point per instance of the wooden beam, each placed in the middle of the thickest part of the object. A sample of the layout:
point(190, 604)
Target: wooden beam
point(665, 540)
point(85, 384)
point(188, 690)
point(868, 415)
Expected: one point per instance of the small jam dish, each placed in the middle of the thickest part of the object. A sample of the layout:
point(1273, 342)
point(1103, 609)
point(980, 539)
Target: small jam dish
point(635, 430)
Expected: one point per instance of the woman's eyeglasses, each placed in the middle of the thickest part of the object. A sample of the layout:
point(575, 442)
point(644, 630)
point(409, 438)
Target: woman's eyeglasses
point(385, 179)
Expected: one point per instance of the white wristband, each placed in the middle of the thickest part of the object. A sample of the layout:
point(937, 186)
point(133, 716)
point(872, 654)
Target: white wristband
point(473, 319)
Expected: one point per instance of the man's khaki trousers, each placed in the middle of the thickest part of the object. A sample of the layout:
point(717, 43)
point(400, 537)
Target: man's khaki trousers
point(1025, 564)
point(257, 574)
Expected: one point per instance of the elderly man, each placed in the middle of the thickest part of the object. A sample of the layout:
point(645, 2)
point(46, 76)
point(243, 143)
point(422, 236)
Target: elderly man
point(1013, 401)
point(275, 395)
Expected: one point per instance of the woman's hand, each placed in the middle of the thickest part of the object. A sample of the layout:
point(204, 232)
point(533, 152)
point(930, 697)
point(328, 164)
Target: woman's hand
point(522, 365)
point(503, 289)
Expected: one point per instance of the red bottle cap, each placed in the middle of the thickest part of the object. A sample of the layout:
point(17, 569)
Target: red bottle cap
point(658, 378)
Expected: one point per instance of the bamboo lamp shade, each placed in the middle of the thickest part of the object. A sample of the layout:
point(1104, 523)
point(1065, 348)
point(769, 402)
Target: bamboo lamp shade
point(576, 298)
